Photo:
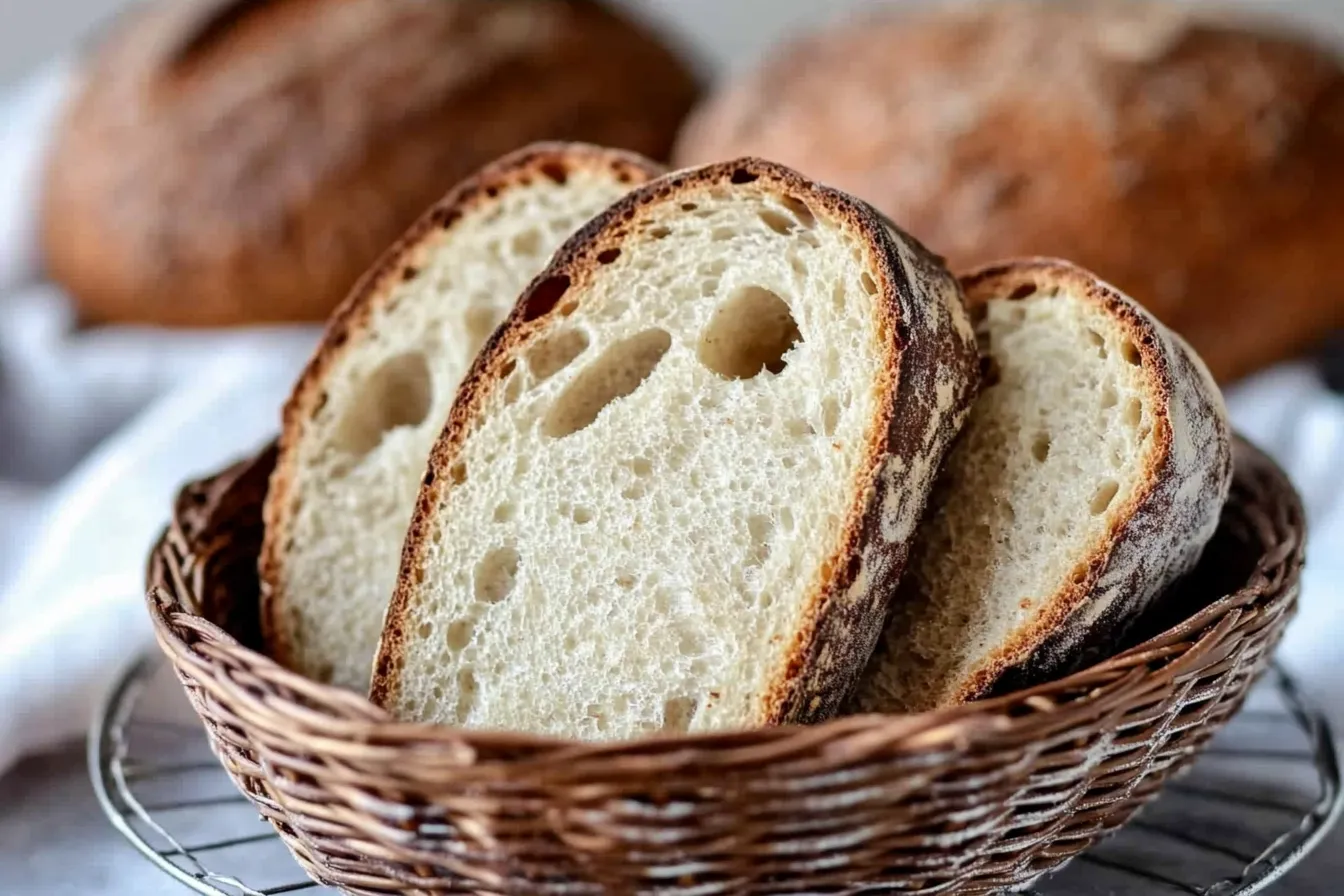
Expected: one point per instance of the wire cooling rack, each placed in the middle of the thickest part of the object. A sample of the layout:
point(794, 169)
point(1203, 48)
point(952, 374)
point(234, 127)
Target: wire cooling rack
point(1261, 797)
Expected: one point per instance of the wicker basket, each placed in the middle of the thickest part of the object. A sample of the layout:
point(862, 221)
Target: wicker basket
point(975, 800)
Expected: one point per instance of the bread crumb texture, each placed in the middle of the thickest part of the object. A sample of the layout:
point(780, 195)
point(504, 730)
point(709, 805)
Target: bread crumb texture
point(648, 498)
point(1089, 476)
point(357, 463)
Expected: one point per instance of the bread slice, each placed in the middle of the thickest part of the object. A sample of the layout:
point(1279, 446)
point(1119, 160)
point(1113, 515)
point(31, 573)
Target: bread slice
point(363, 417)
point(677, 486)
point(1092, 471)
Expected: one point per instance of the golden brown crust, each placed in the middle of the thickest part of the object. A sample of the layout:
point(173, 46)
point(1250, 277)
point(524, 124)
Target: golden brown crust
point(1191, 160)
point(350, 322)
point(229, 162)
point(847, 605)
point(1159, 532)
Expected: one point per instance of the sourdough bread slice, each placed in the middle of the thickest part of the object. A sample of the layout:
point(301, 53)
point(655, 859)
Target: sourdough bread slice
point(1089, 477)
point(677, 487)
point(364, 415)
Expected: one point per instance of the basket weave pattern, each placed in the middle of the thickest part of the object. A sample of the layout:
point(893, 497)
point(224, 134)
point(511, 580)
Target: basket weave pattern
point(969, 801)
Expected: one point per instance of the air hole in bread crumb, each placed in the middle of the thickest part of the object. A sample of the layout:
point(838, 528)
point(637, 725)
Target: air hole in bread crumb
point(581, 515)
point(625, 581)
point(555, 351)
point(830, 416)
point(743, 176)
point(786, 519)
point(479, 322)
point(410, 272)
point(1024, 291)
point(615, 374)
point(1133, 414)
point(459, 634)
point(1109, 397)
point(868, 283)
point(722, 234)
point(495, 575)
point(425, 629)
point(513, 388)
point(1040, 447)
point(659, 232)
point(689, 206)
point(677, 714)
point(989, 372)
point(1130, 352)
point(641, 466)
point(749, 333)
point(1105, 494)
point(466, 694)
point(1099, 341)
point(761, 528)
point(801, 211)
point(799, 266)
point(527, 243)
point(776, 222)
point(597, 716)
point(398, 393)
point(458, 473)
point(799, 428)
point(634, 492)
point(810, 240)
point(556, 172)
point(607, 256)
point(505, 512)
point(543, 297)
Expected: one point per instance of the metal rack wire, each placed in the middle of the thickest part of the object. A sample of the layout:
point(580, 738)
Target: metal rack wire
point(1262, 796)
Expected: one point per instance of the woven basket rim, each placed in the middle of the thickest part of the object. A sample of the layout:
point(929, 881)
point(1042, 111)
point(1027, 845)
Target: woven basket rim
point(1101, 685)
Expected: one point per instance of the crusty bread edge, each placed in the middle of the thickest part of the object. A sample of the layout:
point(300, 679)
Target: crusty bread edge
point(845, 611)
point(351, 320)
point(1062, 637)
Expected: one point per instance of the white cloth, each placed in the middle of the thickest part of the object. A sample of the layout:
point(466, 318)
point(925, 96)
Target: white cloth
point(98, 429)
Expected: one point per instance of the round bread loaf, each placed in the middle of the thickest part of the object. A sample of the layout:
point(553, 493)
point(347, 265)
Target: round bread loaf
point(241, 161)
point(1192, 158)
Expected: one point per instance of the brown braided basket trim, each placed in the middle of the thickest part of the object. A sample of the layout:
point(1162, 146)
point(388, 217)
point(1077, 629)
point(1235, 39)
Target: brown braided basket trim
point(966, 801)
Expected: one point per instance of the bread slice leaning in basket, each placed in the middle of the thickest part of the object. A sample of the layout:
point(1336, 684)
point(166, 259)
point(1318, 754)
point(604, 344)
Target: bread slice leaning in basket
point(1089, 477)
point(679, 482)
point(364, 415)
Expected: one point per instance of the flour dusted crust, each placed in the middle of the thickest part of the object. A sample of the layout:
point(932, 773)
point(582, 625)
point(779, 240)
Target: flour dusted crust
point(1168, 522)
point(1156, 536)
point(929, 380)
point(353, 326)
point(1186, 154)
point(226, 162)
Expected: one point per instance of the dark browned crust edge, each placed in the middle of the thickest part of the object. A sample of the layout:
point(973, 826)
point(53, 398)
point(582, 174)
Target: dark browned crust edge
point(350, 323)
point(1059, 641)
point(838, 629)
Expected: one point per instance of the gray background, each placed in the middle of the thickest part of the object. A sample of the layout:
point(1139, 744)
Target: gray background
point(53, 839)
point(728, 32)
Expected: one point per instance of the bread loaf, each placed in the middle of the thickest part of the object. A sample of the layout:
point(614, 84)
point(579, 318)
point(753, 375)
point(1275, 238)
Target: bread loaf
point(678, 485)
point(239, 161)
point(1191, 158)
point(1090, 475)
point(359, 426)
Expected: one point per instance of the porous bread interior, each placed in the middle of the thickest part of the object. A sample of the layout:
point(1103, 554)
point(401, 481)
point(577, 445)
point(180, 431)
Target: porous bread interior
point(358, 465)
point(628, 544)
point(1043, 468)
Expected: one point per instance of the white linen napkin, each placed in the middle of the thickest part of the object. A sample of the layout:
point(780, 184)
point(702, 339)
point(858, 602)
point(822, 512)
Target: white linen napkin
point(98, 428)
point(138, 411)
